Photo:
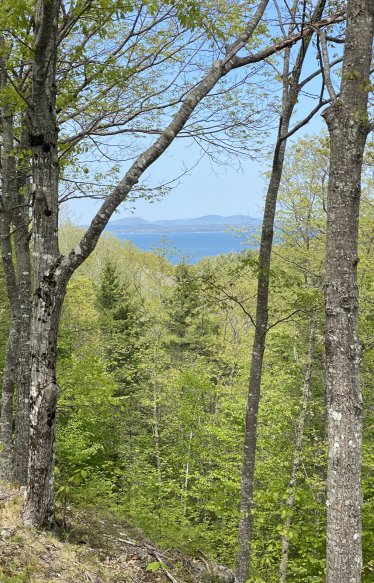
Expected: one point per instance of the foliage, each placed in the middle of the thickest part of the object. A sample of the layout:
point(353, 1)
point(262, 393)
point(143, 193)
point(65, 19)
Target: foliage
point(153, 362)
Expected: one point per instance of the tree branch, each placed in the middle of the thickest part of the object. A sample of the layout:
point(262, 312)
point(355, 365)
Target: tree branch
point(218, 70)
point(291, 40)
point(326, 65)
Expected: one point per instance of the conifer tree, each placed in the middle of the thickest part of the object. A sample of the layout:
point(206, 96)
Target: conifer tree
point(121, 328)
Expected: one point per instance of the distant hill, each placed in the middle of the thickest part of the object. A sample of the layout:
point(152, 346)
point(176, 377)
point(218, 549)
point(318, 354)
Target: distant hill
point(211, 220)
point(130, 221)
point(205, 223)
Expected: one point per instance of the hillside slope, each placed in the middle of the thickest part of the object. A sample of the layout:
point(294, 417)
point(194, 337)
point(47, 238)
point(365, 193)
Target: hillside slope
point(91, 549)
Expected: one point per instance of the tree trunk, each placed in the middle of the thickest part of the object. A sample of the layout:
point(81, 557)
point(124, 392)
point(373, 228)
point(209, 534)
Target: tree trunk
point(156, 432)
point(258, 349)
point(6, 421)
point(348, 128)
point(7, 396)
point(21, 237)
point(39, 509)
point(289, 99)
point(23, 371)
point(9, 193)
point(14, 226)
point(305, 397)
point(17, 360)
point(48, 295)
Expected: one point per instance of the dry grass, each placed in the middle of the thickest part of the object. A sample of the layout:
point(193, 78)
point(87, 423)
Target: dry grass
point(88, 552)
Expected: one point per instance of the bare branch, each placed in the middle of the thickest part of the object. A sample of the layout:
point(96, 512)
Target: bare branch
point(291, 40)
point(306, 119)
point(318, 72)
point(326, 65)
point(286, 318)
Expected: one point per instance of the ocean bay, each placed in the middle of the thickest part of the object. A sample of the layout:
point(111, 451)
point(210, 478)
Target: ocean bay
point(190, 247)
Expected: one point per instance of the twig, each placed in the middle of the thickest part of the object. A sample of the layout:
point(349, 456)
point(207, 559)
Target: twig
point(168, 575)
point(152, 551)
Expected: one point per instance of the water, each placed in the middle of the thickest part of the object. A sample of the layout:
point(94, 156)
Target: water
point(189, 247)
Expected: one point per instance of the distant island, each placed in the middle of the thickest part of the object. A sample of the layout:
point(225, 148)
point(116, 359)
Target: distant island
point(205, 224)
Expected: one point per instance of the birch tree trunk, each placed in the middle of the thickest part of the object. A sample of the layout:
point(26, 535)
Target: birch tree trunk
point(348, 128)
point(289, 99)
point(305, 398)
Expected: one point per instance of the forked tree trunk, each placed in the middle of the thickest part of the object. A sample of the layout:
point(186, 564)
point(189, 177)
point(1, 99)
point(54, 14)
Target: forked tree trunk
point(305, 398)
point(348, 128)
point(290, 95)
point(52, 272)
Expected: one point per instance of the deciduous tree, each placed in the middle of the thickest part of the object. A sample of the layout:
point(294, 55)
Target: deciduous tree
point(348, 125)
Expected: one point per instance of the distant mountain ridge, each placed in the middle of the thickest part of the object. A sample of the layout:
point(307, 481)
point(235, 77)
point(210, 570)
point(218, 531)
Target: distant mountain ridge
point(204, 223)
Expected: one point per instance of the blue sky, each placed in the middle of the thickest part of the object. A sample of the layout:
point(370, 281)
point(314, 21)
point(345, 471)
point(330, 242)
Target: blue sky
point(207, 189)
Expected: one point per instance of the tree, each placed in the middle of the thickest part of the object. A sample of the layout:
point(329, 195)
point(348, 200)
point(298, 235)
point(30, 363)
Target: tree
point(52, 271)
point(4, 321)
point(121, 326)
point(347, 122)
point(292, 87)
point(14, 217)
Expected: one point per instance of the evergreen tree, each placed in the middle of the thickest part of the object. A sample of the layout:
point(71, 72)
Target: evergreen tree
point(190, 324)
point(120, 323)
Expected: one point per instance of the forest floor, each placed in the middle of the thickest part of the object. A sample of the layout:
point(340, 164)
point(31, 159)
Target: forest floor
point(91, 549)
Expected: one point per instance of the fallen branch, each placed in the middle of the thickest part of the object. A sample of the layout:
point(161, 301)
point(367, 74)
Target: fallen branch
point(151, 550)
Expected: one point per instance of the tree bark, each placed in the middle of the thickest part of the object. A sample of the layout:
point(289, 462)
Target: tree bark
point(348, 128)
point(39, 508)
point(14, 228)
point(47, 294)
point(6, 421)
point(23, 371)
point(18, 276)
point(289, 99)
point(8, 186)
